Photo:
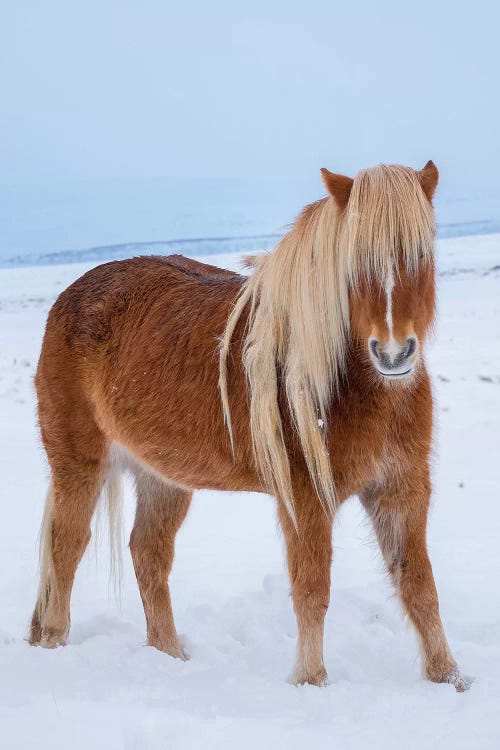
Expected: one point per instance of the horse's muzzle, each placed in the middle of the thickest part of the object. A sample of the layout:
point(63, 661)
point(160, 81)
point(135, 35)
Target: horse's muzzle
point(394, 360)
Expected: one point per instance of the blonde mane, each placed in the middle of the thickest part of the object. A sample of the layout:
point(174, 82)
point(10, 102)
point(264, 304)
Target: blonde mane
point(297, 329)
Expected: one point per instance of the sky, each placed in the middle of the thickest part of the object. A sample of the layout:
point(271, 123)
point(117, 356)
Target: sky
point(131, 91)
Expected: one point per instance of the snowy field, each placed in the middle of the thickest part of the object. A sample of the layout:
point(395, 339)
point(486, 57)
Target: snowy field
point(230, 590)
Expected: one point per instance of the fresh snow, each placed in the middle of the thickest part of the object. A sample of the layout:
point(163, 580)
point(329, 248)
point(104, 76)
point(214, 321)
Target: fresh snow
point(106, 689)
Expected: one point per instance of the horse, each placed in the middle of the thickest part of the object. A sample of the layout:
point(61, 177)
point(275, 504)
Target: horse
point(304, 379)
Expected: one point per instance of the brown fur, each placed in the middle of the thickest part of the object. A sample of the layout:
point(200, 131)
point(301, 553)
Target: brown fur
point(130, 363)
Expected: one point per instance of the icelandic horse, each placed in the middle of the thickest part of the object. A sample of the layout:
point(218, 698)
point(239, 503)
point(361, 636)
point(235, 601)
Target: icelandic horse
point(305, 380)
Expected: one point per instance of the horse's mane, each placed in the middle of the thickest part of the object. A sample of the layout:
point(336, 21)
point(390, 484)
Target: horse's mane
point(297, 329)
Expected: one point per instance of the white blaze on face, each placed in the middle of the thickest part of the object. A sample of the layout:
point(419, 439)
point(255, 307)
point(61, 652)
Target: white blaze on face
point(392, 348)
point(389, 286)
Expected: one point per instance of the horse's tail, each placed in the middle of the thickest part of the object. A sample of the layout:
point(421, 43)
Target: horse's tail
point(45, 556)
point(111, 496)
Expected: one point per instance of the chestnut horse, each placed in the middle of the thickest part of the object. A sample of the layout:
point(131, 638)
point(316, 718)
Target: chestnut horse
point(305, 380)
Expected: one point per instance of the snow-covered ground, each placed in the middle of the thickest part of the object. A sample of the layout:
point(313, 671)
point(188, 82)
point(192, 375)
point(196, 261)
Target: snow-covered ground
point(229, 587)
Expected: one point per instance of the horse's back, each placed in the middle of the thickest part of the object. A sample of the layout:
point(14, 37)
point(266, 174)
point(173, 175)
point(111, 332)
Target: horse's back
point(97, 304)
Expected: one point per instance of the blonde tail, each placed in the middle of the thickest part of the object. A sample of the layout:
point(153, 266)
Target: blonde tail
point(45, 553)
point(113, 494)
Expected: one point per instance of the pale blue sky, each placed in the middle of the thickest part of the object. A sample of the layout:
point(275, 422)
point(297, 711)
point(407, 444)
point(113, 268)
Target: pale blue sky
point(145, 88)
point(101, 90)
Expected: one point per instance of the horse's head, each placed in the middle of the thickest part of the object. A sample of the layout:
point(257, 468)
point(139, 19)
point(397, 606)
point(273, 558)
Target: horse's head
point(389, 230)
point(392, 320)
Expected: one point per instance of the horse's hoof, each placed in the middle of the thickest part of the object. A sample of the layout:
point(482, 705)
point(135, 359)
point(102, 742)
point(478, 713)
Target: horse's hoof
point(35, 636)
point(319, 678)
point(52, 640)
point(175, 650)
point(178, 653)
point(460, 682)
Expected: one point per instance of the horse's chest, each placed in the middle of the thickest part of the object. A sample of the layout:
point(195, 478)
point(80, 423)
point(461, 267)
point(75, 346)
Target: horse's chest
point(360, 440)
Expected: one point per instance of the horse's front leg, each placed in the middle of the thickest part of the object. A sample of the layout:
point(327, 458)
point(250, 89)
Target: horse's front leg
point(309, 555)
point(399, 510)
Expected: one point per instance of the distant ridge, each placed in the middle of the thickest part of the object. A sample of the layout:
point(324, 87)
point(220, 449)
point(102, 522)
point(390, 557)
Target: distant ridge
point(204, 246)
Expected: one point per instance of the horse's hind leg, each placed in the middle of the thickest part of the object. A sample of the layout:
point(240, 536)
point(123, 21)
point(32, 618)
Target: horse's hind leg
point(161, 509)
point(78, 463)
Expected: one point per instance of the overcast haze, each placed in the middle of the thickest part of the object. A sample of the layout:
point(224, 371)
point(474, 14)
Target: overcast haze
point(128, 91)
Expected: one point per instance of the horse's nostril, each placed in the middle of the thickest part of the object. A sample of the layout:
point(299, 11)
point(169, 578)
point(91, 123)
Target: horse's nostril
point(411, 346)
point(374, 348)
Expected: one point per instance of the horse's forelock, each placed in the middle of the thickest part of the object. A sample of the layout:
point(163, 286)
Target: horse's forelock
point(388, 219)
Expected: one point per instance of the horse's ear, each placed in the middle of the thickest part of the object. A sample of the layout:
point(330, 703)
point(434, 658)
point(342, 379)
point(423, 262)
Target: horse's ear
point(428, 178)
point(338, 186)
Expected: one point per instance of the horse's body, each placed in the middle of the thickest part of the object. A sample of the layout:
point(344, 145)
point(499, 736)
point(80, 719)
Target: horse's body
point(149, 330)
point(129, 375)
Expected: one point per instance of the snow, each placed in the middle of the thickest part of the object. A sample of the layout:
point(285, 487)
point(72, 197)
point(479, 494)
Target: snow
point(229, 586)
